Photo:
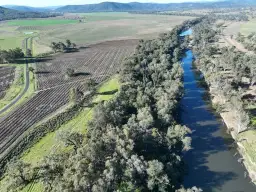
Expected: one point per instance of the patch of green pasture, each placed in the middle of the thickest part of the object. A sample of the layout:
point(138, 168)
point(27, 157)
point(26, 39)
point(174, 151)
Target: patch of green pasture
point(248, 27)
point(41, 22)
point(11, 42)
point(105, 91)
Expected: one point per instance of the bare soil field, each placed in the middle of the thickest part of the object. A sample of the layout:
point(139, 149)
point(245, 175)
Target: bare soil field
point(97, 61)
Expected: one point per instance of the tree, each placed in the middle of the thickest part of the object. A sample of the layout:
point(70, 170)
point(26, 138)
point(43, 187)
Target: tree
point(68, 42)
point(73, 139)
point(54, 47)
point(19, 174)
point(62, 47)
point(32, 70)
point(157, 179)
point(73, 45)
point(29, 53)
point(70, 72)
point(90, 84)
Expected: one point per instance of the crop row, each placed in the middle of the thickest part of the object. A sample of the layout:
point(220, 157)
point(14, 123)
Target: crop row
point(54, 88)
point(98, 63)
point(6, 79)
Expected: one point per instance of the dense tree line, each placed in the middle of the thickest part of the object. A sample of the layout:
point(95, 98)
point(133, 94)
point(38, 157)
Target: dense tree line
point(228, 72)
point(9, 56)
point(133, 142)
point(9, 14)
point(227, 17)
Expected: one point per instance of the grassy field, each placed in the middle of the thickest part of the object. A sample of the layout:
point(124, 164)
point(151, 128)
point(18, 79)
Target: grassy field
point(107, 26)
point(41, 22)
point(96, 27)
point(248, 27)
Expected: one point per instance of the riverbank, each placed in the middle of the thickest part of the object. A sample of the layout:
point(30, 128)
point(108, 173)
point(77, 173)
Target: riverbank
point(211, 163)
point(242, 140)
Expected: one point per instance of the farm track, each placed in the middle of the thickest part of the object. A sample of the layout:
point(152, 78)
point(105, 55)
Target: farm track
point(13, 102)
point(97, 62)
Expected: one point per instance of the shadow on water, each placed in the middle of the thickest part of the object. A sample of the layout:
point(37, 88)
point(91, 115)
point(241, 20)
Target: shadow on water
point(211, 163)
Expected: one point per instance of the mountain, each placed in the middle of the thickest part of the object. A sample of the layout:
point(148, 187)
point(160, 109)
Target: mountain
point(29, 9)
point(135, 6)
point(8, 14)
point(244, 2)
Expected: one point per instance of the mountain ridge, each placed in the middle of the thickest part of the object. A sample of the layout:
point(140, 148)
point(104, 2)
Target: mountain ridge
point(136, 6)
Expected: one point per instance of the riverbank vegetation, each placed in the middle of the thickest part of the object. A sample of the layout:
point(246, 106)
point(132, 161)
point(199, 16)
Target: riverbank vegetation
point(230, 76)
point(248, 41)
point(132, 142)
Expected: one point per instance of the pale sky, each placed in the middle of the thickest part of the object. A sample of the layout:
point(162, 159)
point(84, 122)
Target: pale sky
point(40, 3)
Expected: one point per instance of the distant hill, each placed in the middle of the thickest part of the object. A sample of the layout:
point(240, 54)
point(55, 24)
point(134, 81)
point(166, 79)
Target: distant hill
point(26, 8)
point(8, 14)
point(31, 9)
point(122, 7)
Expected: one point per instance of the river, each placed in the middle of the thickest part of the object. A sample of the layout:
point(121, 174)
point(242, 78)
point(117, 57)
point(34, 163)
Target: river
point(212, 163)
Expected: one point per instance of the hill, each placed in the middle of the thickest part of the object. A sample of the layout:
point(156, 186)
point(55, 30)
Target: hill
point(31, 9)
point(8, 14)
point(122, 7)
point(26, 8)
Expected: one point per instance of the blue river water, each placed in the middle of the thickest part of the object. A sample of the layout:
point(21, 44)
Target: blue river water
point(187, 32)
point(212, 163)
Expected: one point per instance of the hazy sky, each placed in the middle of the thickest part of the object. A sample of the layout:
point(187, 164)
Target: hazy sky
point(39, 3)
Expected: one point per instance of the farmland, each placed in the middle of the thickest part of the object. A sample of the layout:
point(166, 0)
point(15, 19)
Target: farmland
point(12, 82)
point(104, 41)
point(6, 76)
point(94, 28)
point(98, 62)
point(248, 27)
point(40, 22)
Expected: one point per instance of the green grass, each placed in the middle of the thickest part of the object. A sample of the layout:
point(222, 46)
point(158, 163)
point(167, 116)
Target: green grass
point(11, 42)
point(254, 121)
point(49, 144)
point(40, 22)
point(248, 27)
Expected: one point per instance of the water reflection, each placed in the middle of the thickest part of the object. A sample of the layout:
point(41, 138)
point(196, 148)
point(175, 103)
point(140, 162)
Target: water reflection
point(211, 163)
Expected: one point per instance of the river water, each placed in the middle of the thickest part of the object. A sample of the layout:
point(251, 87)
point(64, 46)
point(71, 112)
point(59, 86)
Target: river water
point(212, 163)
